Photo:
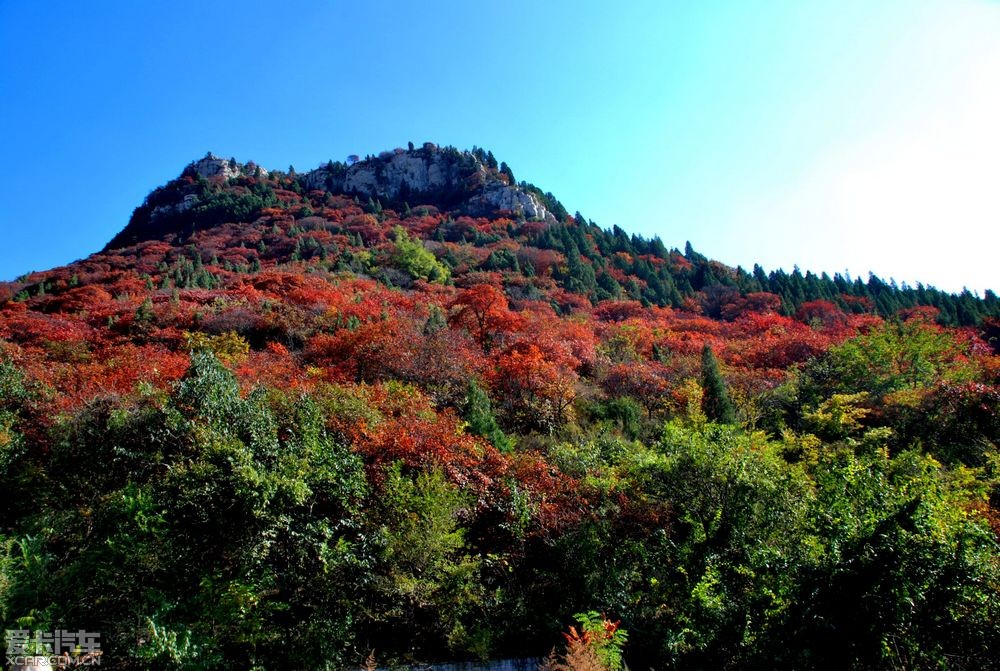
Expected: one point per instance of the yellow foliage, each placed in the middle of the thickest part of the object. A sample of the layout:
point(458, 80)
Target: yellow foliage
point(688, 396)
point(839, 416)
point(804, 448)
point(230, 347)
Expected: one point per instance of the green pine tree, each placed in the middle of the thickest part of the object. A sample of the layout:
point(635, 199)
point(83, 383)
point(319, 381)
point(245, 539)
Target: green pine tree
point(478, 412)
point(716, 403)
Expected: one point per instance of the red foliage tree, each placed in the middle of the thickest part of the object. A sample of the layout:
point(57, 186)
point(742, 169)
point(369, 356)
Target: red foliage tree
point(535, 393)
point(484, 311)
point(644, 381)
point(823, 314)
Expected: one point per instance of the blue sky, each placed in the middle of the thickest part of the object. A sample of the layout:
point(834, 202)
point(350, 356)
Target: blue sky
point(841, 135)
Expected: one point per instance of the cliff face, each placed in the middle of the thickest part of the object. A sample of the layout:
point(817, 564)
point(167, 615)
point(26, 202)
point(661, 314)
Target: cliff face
point(214, 166)
point(429, 172)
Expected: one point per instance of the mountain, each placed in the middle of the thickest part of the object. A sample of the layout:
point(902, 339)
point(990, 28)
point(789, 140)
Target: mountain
point(451, 180)
point(465, 192)
point(407, 403)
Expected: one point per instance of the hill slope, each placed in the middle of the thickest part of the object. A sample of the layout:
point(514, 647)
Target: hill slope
point(473, 202)
point(409, 404)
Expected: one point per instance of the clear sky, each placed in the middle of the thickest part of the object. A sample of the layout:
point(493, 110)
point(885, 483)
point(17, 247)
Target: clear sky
point(836, 135)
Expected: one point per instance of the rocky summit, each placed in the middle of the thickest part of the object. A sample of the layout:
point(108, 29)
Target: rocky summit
point(466, 182)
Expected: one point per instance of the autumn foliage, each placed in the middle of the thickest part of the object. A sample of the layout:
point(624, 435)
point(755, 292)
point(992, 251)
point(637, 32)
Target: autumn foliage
point(281, 420)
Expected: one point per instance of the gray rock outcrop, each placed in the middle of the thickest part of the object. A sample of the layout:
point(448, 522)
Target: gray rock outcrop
point(214, 166)
point(428, 172)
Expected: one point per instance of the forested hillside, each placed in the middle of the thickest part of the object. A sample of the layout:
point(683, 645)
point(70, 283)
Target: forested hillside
point(410, 404)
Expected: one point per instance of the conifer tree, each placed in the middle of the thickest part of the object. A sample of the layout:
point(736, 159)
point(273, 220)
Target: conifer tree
point(478, 412)
point(716, 403)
